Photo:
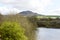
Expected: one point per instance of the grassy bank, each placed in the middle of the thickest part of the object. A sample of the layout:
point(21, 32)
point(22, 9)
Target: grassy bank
point(25, 22)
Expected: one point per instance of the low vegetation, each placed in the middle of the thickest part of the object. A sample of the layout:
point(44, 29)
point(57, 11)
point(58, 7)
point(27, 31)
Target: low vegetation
point(24, 22)
point(11, 31)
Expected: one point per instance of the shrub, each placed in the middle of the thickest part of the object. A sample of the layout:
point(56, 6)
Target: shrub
point(11, 31)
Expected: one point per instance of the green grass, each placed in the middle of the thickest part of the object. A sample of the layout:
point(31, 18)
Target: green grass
point(48, 16)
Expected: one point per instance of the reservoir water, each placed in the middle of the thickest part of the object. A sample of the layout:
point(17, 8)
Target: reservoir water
point(48, 34)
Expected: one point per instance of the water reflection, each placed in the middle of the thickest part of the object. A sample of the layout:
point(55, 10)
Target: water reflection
point(48, 34)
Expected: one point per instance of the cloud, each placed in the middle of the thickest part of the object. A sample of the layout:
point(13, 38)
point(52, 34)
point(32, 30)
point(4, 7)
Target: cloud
point(38, 6)
point(53, 12)
point(7, 10)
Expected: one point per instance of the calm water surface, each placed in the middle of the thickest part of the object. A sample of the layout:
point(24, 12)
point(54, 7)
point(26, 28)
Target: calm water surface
point(48, 34)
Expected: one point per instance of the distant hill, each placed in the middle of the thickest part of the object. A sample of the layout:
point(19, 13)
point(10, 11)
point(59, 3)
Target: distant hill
point(28, 13)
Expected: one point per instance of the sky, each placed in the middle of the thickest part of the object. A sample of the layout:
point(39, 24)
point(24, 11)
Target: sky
point(46, 7)
point(48, 34)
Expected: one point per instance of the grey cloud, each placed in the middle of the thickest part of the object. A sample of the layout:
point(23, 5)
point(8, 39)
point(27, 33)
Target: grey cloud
point(36, 5)
point(20, 4)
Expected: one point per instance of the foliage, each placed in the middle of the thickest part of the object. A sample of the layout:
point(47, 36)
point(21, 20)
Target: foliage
point(12, 31)
point(27, 24)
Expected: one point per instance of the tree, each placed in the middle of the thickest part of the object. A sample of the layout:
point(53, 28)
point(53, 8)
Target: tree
point(12, 31)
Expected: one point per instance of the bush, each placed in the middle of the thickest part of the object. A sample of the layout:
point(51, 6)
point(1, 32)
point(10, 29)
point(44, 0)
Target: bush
point(11, 31)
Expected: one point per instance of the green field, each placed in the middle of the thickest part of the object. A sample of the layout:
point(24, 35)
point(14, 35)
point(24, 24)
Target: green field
point(48, 16)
